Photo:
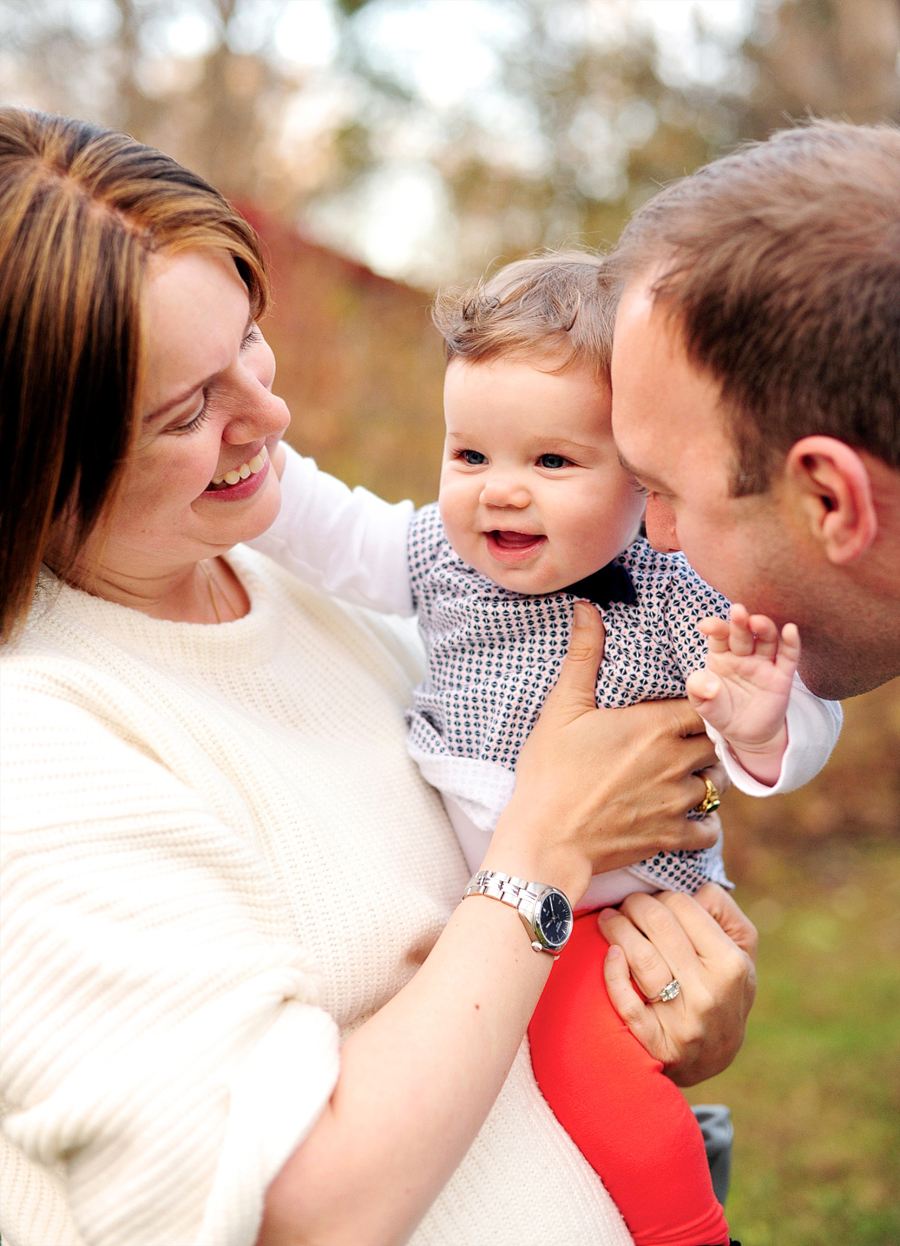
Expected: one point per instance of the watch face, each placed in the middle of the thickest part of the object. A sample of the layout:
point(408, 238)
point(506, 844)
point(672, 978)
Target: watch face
point(554, 919)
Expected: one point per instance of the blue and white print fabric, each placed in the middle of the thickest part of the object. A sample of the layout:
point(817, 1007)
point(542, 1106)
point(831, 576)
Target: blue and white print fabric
point(493, 656)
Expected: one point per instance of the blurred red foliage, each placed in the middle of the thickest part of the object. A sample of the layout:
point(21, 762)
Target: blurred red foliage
point(359, 364)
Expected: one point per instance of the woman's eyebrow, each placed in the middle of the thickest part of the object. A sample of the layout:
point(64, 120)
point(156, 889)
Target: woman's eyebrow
point(192, 389)
point(177, 400)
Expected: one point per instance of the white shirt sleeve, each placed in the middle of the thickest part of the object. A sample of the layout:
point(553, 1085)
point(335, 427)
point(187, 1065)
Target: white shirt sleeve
point(346, 542)
point(813, 727)
point(163, 1044)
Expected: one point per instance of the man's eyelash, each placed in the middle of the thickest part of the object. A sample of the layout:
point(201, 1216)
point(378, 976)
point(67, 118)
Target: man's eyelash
point(639, 488)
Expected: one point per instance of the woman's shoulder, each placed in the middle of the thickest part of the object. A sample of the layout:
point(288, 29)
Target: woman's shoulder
point(389, 645)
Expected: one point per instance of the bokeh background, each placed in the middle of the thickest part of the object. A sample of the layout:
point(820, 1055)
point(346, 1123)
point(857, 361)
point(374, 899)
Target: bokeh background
point(382, 147)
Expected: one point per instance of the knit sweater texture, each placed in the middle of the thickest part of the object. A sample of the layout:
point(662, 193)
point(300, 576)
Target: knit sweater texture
point(217, 861)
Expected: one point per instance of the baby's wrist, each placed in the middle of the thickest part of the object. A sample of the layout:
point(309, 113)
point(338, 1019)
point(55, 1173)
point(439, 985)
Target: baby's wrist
point(762, 760)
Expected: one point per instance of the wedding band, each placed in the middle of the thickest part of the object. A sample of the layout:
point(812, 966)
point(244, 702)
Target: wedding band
point(672, 991)
point(712, 799)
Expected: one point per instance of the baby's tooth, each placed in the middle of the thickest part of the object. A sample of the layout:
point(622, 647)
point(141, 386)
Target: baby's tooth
point(264, 454)
point(218, 480)
point(244, 471)
point(256, 463)
point(231, 478)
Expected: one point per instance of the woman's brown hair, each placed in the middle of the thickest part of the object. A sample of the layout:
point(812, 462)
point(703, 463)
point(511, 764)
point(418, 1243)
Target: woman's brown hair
point(81, 208)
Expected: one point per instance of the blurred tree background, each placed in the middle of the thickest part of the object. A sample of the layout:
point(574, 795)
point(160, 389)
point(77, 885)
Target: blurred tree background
point(382, 147)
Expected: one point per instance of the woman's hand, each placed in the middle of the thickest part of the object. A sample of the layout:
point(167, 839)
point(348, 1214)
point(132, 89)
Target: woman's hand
point(708, 946)
point(596, 788)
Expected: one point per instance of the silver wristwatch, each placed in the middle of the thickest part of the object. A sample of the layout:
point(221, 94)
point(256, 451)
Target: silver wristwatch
point(545, 911)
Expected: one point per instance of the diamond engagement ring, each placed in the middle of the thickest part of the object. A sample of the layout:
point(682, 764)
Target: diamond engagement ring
point(711, 800)
point(672, 991)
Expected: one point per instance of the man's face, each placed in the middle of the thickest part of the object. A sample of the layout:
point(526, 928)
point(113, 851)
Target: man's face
point(672, 434)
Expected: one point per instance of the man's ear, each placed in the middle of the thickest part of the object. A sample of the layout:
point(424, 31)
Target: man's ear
point(834, 491)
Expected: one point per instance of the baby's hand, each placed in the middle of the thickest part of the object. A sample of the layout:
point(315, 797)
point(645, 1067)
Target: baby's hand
point(743, 690)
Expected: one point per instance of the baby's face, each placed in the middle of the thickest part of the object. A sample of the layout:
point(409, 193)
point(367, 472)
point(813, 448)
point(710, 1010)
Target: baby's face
point(532, 492)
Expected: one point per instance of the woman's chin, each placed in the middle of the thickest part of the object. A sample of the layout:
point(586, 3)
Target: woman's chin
point(249, 518)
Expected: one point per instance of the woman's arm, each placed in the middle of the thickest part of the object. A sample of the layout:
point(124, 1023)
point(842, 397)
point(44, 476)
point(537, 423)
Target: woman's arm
point(418, 1080)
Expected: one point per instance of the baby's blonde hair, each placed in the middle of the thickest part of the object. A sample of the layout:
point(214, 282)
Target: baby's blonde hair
point(557, 306)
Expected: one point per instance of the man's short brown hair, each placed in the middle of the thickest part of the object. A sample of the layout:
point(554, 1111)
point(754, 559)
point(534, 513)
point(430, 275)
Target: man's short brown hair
point(557, 307)
point(780, 264)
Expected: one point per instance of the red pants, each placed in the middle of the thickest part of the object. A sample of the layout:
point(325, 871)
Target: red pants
point(631, 1123)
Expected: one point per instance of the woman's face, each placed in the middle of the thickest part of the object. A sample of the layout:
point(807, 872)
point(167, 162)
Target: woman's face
point(208, 411)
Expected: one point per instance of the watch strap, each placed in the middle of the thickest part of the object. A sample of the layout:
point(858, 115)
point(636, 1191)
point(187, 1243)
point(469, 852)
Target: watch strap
point(519, 893)
point(504, 887)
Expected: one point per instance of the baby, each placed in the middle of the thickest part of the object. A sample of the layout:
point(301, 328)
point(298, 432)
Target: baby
point(535, 512)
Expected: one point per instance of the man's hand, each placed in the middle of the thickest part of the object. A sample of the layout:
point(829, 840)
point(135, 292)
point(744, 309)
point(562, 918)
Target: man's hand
point(705, 943)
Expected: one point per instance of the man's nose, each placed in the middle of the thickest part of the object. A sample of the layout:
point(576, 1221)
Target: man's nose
point(660, 522)
point(504, 489)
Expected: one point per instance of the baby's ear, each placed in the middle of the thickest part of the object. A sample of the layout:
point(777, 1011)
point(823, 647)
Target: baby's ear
point(833, 490)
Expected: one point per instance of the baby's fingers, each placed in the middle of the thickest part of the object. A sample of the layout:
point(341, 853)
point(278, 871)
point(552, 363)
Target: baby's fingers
point(740, 634)
point(789, 649)
point(765, 634)
point(716, 631)
point(702, 688)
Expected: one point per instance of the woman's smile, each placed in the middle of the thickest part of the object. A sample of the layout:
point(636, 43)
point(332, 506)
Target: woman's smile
point(243, 480)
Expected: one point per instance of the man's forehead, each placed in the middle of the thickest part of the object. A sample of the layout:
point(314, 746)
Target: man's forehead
point(643, 474)
point(639, 305)
point(637, 292)
point(667, 412)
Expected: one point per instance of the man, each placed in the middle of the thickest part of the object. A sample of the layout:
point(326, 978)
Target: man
point(756, 396)
point(756, 383)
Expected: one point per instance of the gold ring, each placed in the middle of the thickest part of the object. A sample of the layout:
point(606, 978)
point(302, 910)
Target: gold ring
point(710, 801)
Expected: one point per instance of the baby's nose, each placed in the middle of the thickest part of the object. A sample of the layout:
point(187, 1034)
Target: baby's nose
point(504, 490)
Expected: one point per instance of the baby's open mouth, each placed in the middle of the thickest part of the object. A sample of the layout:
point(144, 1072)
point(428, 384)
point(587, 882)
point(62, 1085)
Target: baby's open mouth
point(513, 548)
point(237, 474)
point(515, 540)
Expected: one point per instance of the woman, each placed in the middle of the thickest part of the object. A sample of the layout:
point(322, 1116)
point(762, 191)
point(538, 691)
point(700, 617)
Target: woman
point(219, 861)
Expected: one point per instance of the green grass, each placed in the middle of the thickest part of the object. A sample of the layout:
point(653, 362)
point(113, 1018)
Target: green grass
point(815, 1092)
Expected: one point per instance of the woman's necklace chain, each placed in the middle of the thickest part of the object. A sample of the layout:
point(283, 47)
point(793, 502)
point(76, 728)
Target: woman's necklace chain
point(213, 587)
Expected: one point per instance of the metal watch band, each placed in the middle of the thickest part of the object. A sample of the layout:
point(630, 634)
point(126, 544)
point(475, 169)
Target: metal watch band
point(519, 894)
point(504, 887)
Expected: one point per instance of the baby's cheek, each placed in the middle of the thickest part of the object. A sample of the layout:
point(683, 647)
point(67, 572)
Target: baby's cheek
point(457, 517)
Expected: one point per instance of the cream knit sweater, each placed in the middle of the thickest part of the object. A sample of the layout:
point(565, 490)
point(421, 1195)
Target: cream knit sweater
point(217, 859)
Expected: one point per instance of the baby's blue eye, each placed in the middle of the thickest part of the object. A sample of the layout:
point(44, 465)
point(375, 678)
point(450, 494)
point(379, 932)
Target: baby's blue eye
point(473, 457)
point(552, 461)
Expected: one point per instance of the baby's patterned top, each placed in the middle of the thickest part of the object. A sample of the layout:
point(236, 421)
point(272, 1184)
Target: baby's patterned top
point(493, 655)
